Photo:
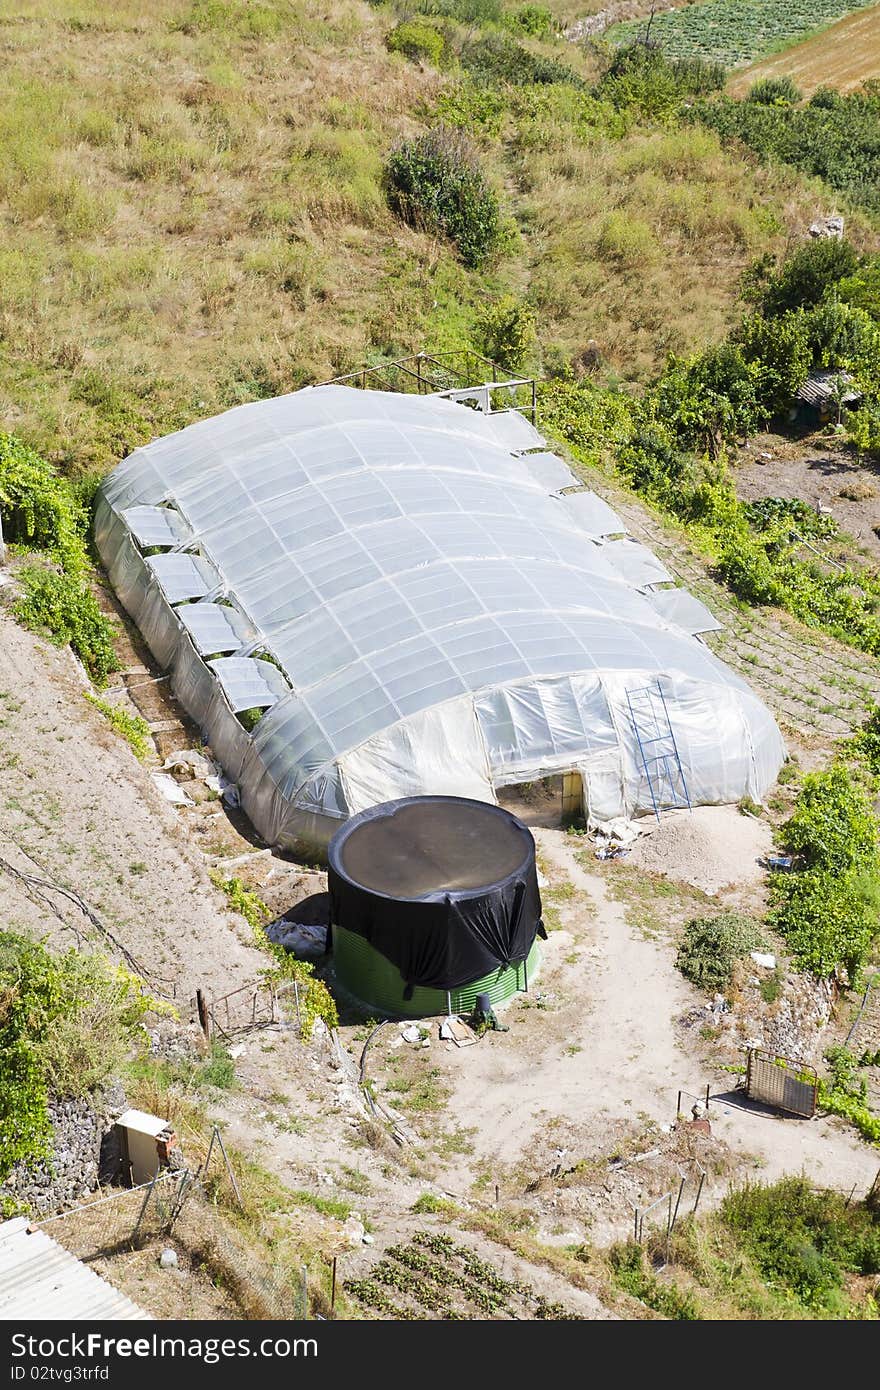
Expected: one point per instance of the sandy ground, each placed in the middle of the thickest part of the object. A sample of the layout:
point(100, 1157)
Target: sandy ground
point(78, 809)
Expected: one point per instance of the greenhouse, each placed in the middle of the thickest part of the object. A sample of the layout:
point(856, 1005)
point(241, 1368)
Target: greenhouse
point(362, 596)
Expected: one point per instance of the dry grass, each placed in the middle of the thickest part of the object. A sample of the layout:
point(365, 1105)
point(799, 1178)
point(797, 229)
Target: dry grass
point(192, 217)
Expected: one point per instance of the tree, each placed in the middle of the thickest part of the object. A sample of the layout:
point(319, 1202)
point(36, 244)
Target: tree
point(807, 276)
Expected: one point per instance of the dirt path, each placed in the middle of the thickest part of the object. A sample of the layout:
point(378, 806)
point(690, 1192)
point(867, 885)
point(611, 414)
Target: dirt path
point(621, 1056)
point(77, 808)
point(619, 1053)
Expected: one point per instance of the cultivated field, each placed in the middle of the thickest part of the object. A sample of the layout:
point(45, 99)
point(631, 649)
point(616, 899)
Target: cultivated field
point(843, 56)
point(734, 32)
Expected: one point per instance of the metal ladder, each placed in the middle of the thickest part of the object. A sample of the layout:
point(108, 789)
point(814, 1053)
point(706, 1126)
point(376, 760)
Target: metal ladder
point(658, 750)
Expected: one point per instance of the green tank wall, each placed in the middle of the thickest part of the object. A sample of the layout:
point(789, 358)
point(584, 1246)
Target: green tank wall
point(371, 979)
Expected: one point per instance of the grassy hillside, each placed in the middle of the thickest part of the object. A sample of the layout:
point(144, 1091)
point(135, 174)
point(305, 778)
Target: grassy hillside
point(193, 214)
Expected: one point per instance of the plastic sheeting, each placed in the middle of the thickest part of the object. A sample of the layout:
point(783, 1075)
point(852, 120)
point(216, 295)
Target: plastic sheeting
point(444, 889)
point(550, 471)
point(635, 563)
point(592, 514)
point(432, 618)
point(679, 607)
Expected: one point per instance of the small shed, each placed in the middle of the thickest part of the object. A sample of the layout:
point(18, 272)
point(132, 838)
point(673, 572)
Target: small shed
point(823, 394)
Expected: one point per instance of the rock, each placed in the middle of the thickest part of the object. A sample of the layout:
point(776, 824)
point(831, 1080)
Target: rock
point(168, 1259)
point(367, 1239)
point(354, 1232)
point(412, 1034)
point(827, 227)
point(766, 960)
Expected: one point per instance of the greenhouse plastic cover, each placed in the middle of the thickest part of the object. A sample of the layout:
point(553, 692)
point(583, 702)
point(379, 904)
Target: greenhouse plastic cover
point(432, 620)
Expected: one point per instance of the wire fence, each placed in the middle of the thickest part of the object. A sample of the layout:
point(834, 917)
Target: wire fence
point(177, 1207)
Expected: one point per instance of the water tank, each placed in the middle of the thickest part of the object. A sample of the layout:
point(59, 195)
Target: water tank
point(433, 900)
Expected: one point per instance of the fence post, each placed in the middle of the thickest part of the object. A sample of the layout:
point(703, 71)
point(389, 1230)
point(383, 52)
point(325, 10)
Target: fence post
point(147, 1195)
point(228, 1165)
point(333, 1287)
point(699, 1192)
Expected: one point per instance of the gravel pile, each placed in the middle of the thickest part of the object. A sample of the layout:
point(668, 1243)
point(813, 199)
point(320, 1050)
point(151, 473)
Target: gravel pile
point(710, 848)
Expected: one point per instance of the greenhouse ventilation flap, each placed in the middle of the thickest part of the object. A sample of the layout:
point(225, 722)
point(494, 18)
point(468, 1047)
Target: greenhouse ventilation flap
point(364, 595)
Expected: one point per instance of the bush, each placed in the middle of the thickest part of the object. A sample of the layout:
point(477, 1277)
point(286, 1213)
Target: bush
point(640, 78)
point(803, 1241)
point(780, 351)
point(66, 1023)
point(809, 273)
point(63, 608)
point(712, 946)
point(774, 91)
point(131, 727)
point(499, 58)
point(464, 11)
point(828, 921)
point(315, 1000)
point(866, 742)
point(633, 1276)
point(38, 508)
point(535, 20)
point(827, 911)
point(417, 40)
point(506, 333)
point(435, 183)
point(832, 826)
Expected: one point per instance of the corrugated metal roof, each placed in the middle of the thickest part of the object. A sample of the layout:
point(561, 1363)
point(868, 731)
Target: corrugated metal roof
point(818, 389)
point(40, 1281)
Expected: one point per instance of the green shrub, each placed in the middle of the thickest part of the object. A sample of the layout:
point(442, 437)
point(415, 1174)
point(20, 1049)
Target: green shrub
point(809, 273)
point(774, 91)
point(827, 919)
point(827, 911)
point(417, 40)
point(499, 58)
point(66, 1024)
point(803, 1241)
point(38, 508)
point(633, 1276)
point(63, 608)
point(845, 1093)
point(535, 20)
point(468, 106)
point(712, 946)
point(832, 826)
point(315, 1000)
point(640, 78)
point(866, 742)
point(506, 333)
point(435, 183)
point(464, 11)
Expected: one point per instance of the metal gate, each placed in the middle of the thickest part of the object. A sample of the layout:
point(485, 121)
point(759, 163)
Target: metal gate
point(782, 1083)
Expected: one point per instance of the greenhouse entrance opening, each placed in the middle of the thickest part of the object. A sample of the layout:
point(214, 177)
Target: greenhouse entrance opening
point(548, 802)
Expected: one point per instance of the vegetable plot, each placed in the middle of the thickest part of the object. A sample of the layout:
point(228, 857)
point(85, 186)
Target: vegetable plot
point(434, 1277)
point(734, 32)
